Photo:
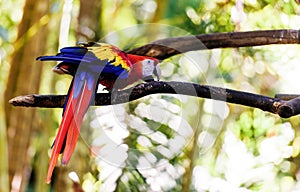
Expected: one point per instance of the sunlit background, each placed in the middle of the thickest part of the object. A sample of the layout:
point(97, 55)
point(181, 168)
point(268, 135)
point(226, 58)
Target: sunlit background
point(161, 142)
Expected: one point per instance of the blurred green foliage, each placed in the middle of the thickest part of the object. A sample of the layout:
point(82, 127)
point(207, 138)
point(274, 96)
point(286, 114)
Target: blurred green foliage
point(166, 143)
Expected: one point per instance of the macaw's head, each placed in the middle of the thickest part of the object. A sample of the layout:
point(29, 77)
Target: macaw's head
point(144, 68)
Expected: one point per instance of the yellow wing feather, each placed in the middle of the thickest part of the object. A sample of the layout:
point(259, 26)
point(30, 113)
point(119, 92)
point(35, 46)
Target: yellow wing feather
point(113, 54)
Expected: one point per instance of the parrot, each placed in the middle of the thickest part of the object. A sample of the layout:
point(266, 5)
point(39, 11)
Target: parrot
point(90, 64)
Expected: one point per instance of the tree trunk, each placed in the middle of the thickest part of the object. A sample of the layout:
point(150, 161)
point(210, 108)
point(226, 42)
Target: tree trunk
point(89, 29)
point(4, 183)
point(24, 78)
point(89, 21)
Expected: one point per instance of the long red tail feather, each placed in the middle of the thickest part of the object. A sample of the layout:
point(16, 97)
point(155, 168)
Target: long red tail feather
point(69, 128)
point(61, 134)
point(82, 104)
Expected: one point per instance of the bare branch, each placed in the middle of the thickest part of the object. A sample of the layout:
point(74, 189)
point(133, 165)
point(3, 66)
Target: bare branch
point(165, 48)
point(274, 105)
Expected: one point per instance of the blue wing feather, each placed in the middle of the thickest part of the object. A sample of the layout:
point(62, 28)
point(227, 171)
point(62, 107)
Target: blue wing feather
point(80, 58)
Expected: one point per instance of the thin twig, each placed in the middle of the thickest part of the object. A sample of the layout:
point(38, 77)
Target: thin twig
point(286, 97)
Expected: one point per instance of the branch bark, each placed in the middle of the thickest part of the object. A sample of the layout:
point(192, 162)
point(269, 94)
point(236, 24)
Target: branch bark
point(283, 108)
point(168, 47)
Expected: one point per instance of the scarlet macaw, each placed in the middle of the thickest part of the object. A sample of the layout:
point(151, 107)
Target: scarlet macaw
point(89, 64)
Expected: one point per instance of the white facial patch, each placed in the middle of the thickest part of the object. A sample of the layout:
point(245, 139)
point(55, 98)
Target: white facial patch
point(148, 67)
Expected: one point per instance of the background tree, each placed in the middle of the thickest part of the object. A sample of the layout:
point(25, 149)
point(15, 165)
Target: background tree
point(21, 122)
point(218, 143)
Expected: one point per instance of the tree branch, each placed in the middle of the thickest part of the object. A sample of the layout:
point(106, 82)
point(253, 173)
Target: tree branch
point(274, 105)
point(168, 47)
point(165, 48)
